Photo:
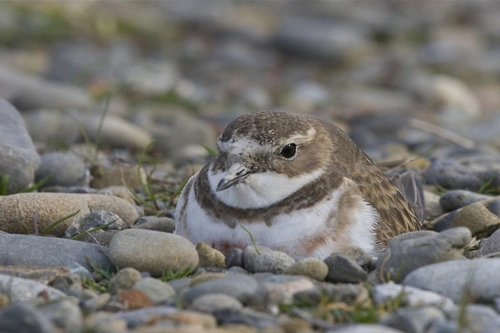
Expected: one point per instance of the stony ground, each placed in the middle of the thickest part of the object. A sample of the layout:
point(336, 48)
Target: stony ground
point(108, 107)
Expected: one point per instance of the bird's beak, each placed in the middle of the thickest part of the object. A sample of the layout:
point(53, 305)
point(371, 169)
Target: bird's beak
point(235, 174)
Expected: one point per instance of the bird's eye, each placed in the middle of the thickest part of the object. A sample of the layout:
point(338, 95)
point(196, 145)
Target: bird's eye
point(289, 150)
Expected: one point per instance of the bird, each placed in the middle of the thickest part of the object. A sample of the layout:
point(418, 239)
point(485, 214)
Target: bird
point(295, 183)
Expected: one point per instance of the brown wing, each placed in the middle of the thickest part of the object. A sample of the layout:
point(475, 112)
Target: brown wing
point(396, 214)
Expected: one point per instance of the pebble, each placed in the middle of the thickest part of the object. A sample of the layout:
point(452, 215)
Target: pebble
point(131, 176)
point(360, 256)
point(24, 317)
point(163, 224)
point(94, 220)
point(153, 252)
point(20, 289)
point(70, 284)
point(476, 317)
point(456, 199)
point(41, 274)
point(490, 246)
point(157, 291)
point(407, 254)
point(64, 314)
point(135, 318)
point(20, 209)
point(364, 328)
point(474, 277)
point(275, 262)
point(18, 156)
point(102, 322)
point(451, 175)
point(62, 169)
point(234, 258)
point(477, 218)
point(210, 303)
point(344, 269)
point(433, 207)
point(210, 257)
point(310, 267)
point(242, 287)
point(36, 251)
point(341, 293)
point(414, 320)
point(250, 253)
point(125, 279)
point(409, 296)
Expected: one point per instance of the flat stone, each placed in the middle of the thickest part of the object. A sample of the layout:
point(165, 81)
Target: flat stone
point(477, 218)
point(275, 262)
point(37, 251)
point(152, 251)
point(344, 269)
point(20, 289)
point(62, 169)
point(456, 199)
point(156, 290)
point(312, 267)
point(475, 277)
point(211, 303)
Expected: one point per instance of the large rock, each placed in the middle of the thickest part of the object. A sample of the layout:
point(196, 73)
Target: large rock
point(37, 251)
point(18, 156)
point(19, 211)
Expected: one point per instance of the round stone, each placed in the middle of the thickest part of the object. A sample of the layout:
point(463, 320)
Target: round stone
point(153, 252)
point(211, 303)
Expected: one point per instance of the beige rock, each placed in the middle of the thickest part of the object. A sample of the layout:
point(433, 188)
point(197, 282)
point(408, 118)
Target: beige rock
point(19, 211)
point(131, 176)
point(476, 217)
point(210, 257)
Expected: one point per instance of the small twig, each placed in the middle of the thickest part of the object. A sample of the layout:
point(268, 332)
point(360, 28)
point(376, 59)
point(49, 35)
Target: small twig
point(442, 132)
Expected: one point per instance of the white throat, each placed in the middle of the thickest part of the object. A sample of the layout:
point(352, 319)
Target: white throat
point(260, 190)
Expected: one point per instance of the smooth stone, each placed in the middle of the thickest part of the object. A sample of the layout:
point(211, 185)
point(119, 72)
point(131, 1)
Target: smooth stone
point(456, 199)
point(131, 176)
point(477, 317)
point(311, 267)
point(452, 175)
point(164, 224)
point(20, 289)
point(20, 209)
point(360, 256)
point(433, 207)
point(410, 296)
point(25, 317)
point(41, 274)
point(153, 252)
point(211, 303)
point(18, 156)
point(414, 320)
point(364, 328)
point(210, 257)
point(125, 279)
point(135, 318)
point(65, 315)
point(157, 291)
point(443, 222)
point(242, 287)
point(404, 256)
point(249, 318)
point(102, 322)
point(474, 277)
point(275, 262)
point(477, 218)
point(344, 269)
point(50, 126)
point(491, 245)
point(234, 258)
point(280, 289)
point(36, 251)
point(63, 169)
point(250, 253)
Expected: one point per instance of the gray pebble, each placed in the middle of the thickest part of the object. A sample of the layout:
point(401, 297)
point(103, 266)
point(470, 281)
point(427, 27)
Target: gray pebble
point(156, 290)
point(70, 284)
point(123, 280)
point(409, 254)
point(92, 221)
point(155, 223)
point(275, 262)
point(455, 199)
point(414, 320)
point(234, 258)
point(62, 169)
point(242, 287)
point(452, 175)
point(477, 317)
point(360, 256)
point(250, 253)
point(65, 315)
point(18, 156)
point(211, 303)
point(152, 251)
point(344, 269)
point(364, 328)
point(491, 245)
point(410, 296)
point(24, 317)
point(344, 293)
point(36, 251)
point(476, 277)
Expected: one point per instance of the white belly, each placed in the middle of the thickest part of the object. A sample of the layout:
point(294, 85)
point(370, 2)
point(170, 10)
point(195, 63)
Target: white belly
point(287, 232)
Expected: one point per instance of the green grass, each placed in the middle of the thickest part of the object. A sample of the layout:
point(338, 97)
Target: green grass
point(168, 275)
